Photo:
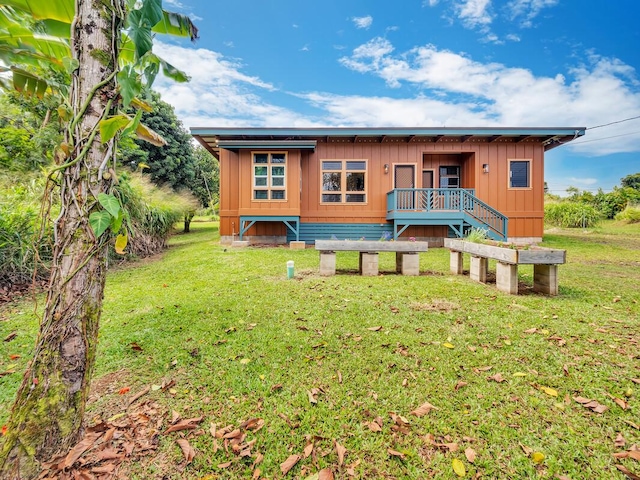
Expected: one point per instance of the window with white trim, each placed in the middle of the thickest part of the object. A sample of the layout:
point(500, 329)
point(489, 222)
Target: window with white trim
point(343, 181)
point(519, 173)
point(269, 176)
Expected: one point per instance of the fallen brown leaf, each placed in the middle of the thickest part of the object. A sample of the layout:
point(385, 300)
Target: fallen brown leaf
point(374, 427)
point(11, 336)
point(459, 385)
point(395, 453)
point(620, 441)
point(628, 472)
point(187, 450)
point(341, 451)
point(224, 465)
point(497, 378)
point(375, 329)
point(188, 424)
point(423, 409)
point(325, 474)
point(138, 395)
point(470, 453)
point(289, 463)
point(82, 446)
point(308, 450)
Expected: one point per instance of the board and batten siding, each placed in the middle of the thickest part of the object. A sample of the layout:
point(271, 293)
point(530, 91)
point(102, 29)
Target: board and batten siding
point(523, 206)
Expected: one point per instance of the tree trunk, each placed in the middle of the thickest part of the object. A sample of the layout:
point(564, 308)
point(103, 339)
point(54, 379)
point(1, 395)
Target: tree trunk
point(46, 418)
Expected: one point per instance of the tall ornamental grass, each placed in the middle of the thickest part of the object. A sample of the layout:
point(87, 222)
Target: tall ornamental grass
point(153, 210)
point(571, 215)
point(23, 252)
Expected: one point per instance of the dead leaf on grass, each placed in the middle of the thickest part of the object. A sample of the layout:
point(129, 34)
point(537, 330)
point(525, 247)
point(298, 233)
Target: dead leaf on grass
point(188, 424)
point(85, 444)
point(470, 453)
point(620, 441)
point(395, 453)
point(187, 450)
point(423, 409)
point(10, 337)
point(253, 424)
point(482, 369)
point(341, 451)
point(308, 450)
point(289, 463)
point(374, 427)
point(628, 472)
point(325, 474)
point(459, 385)
point(591, 404)
point(527, 450)
point(498, 378)
point(375, 329)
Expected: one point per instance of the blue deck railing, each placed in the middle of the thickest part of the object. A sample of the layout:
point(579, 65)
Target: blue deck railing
point(419, 202)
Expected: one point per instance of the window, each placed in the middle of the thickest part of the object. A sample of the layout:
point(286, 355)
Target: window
point(450, 177)
point(269, 180)
point(343, 181)
point(519, 176)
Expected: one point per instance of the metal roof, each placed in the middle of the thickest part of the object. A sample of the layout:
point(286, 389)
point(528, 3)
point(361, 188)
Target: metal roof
point(306, 138)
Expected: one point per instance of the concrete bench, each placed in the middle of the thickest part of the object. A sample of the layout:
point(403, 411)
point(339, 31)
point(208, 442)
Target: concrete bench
point(545, 263)
point(407, 255)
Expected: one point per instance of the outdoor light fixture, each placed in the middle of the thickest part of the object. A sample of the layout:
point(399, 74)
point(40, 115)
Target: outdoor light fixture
point(386, 168)
point(485, 167)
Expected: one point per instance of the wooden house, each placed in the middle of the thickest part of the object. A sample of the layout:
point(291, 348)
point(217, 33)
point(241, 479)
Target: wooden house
point(284, 184)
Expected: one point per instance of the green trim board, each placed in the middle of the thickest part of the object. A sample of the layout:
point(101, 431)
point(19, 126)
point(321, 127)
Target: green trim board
point(292, 223)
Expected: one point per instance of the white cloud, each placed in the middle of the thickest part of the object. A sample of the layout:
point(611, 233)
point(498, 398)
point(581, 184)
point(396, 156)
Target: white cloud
point(474, 13)
point(363, 22)
point(600, 89)
point(218, 93)
point(527, 10)
point(582, 181)
point(455, 90)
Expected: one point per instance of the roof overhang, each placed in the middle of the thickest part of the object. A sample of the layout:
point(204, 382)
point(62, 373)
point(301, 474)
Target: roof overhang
point(255, 138)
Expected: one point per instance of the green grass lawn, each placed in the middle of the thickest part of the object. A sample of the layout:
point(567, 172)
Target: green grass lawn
point(321, 360)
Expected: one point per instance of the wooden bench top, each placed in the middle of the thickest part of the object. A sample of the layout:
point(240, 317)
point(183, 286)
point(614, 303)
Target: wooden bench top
point(371, 246)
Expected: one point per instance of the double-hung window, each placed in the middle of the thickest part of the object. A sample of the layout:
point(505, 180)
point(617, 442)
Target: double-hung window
point(343, 181)
point(269, 176)
point(519, 174)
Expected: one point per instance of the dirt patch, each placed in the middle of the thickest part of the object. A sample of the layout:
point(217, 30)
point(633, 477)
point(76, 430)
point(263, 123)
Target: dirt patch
point(436, 305)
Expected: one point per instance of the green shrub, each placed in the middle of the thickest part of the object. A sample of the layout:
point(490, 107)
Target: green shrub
point(22, 251)
point(631, 214)
point(477, 235)
point(153, 211)
point(569, 214)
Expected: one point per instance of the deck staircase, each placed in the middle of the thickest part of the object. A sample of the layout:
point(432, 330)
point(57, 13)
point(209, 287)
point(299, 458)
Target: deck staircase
point(457, 208)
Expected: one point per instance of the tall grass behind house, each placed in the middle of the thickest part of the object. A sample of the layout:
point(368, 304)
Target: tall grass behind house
point(242, 341)
point(24, 253)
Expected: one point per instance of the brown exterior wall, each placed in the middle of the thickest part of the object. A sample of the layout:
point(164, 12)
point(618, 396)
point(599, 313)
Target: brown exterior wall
point(524, 207)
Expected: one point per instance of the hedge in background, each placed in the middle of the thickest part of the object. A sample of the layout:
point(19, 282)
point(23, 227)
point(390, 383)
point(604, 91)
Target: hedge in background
point(571, 215)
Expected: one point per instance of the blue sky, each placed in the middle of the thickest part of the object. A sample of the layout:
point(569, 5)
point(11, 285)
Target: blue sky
point(421, 63)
